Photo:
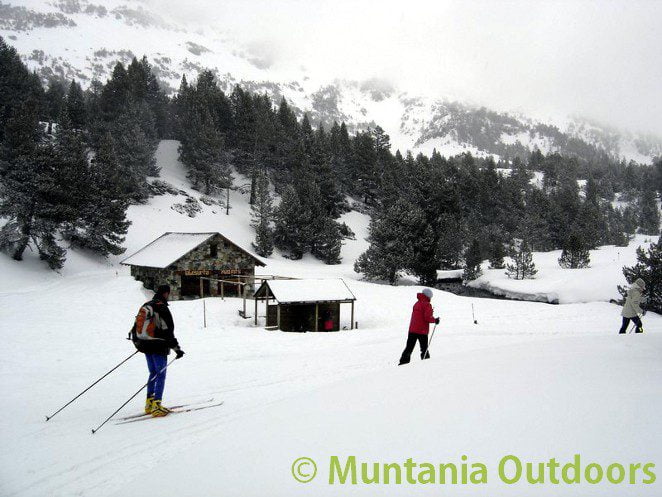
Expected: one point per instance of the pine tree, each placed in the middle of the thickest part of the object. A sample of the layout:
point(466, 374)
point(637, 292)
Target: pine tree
point(452, 236)
point(340, 147)
point(473, 259)
point(287, 131)
point(591, 219)
point(72, 173)
point(289, 235)
point(306, 136)
point(115, 94)
point(29, 200)
point(391, 236)
point(30, 194)
point(261, 213)
point(328, 241)
point(648, 268)
point(496, 255)
point(522, 266)
point(564, 203)
point(243, 137)
point(19, 88)
point(630, 220)
point(75, 105)
point(535, 224)
point(202, 152)
point(55, 99)
point(616, 228)
point(391, 187)
point(383, 151)
point(103, 223)
point(575, 253)
point(333, 200)
point(135, 142)
point(425, 258)
point(521, 176)
point(302, 222)
point(649, 215)
point(365, 178)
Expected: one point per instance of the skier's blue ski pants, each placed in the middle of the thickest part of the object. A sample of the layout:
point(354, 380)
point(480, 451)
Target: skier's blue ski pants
point(157, 377)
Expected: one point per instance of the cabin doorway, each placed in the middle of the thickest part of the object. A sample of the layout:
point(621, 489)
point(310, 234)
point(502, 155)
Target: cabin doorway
point(191, 286)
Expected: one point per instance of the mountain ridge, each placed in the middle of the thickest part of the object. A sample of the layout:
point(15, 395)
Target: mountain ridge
point(78, 39)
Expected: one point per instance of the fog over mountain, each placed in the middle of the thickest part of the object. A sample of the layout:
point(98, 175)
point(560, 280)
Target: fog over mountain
point(598, 59)
point(576, 77)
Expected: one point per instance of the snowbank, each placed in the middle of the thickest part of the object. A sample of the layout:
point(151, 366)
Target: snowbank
point(553, 284)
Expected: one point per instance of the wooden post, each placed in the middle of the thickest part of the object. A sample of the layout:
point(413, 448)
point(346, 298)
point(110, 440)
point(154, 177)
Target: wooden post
point(255, 311)
point(222, 290)
point(278, 316)
point(352, 323)
point(244, 306)
point(204, 312)
point(317, 315)
point(201, 289)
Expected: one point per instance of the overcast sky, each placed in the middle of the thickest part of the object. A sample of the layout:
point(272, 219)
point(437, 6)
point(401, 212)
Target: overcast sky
point(599, 59)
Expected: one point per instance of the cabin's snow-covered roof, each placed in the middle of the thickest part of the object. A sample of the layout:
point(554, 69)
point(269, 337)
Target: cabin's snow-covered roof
point(309, 290)
point(167, 249)
point(170, 247)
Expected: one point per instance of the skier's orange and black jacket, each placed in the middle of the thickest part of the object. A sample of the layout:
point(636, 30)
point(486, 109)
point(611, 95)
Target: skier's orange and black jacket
point(161, 328)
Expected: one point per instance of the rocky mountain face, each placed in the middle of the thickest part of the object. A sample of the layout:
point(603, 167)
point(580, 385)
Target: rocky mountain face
point(82, 40)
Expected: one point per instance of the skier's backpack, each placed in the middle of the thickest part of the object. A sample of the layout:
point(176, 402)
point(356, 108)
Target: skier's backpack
point(144, 327)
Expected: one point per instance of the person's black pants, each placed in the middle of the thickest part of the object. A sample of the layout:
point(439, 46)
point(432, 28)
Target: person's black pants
point(626, 323)
point(412, 338)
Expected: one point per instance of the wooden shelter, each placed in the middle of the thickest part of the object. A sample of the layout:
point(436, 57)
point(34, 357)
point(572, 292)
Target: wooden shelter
point(194, 265)
point(304, 305)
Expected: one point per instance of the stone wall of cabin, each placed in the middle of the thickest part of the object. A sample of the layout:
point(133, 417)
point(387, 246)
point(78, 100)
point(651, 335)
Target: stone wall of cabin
point(229, 261)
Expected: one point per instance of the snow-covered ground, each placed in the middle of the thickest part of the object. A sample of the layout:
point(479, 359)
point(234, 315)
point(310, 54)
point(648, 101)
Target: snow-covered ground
point(530, 379)
point(554, 284)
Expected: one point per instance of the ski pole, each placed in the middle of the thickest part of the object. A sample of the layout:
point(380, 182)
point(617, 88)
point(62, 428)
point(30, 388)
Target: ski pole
point(72, 400)
point(427, 350)
point(94, 430)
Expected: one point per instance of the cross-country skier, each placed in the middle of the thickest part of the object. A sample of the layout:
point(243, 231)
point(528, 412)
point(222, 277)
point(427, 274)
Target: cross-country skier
point(419, 326)
point(154, 335)
point(632, 307)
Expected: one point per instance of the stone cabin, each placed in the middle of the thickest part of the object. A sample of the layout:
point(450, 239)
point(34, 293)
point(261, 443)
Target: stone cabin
point(194, 265)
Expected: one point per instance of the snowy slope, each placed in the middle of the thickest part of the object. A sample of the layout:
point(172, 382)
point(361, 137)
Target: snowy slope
point(554, 284)
point(471, 403)
point(481, 393)
point(532, 379)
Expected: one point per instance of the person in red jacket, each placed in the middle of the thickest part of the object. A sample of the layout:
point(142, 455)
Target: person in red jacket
point(419, 326)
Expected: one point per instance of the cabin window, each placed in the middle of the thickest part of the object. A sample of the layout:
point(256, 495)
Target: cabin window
point(213, 250)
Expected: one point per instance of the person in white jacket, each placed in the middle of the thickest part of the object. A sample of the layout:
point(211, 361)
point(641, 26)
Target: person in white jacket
point(632, 307)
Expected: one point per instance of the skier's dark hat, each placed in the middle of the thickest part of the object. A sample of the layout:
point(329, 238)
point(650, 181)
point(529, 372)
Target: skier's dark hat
point(163, 289)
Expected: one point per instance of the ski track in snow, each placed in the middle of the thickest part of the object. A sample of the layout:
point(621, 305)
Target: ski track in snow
point(546, 380)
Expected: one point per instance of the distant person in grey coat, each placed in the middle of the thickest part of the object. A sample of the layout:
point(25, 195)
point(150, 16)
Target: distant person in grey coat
point(632, 307)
